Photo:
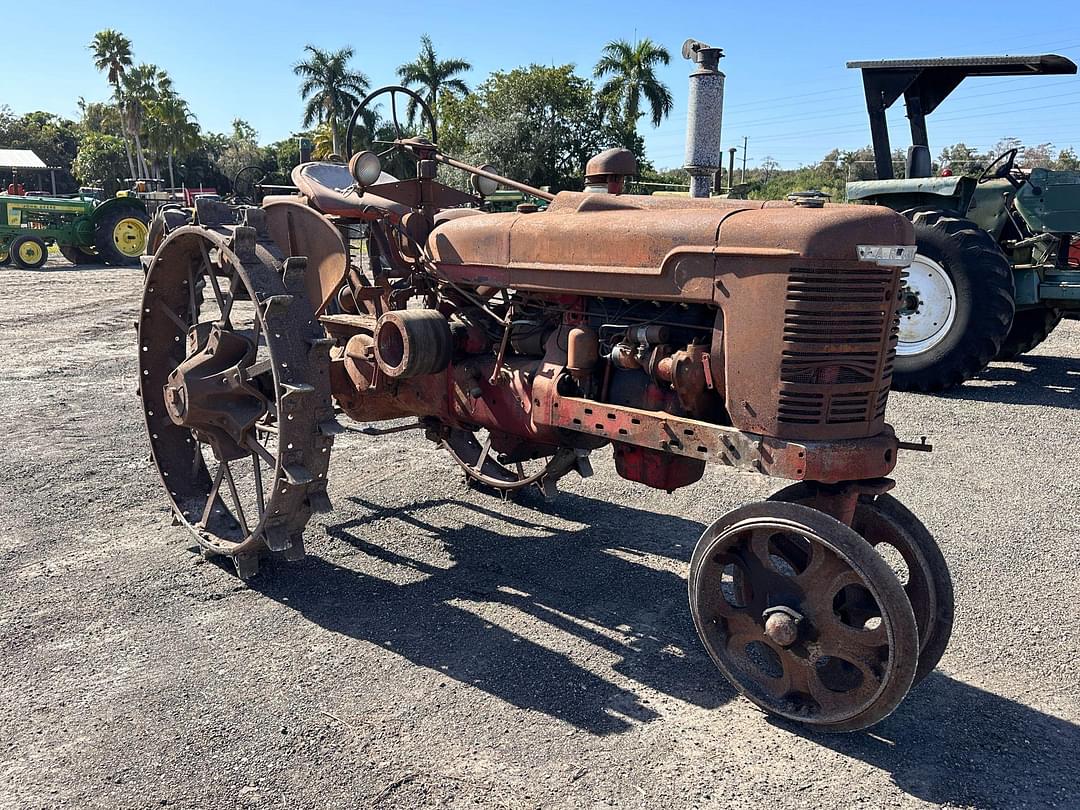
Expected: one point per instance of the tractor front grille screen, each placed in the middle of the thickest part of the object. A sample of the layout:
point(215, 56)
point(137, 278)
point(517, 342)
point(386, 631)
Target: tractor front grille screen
point(839, 343)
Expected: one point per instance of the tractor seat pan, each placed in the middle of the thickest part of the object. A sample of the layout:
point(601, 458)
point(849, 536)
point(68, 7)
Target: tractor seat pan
point(326, 187)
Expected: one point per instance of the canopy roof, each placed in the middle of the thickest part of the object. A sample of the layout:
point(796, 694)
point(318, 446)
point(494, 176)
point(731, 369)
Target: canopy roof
point(20, 159)
point(925, 83)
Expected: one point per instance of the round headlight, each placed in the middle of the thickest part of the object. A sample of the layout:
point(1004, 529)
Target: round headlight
point(485, 186)
point(366, 168)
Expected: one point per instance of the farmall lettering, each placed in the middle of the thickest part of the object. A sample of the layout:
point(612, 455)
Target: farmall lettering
point(676, 332)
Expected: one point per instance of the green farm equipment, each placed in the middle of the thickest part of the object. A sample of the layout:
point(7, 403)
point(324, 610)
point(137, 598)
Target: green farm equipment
point(997, 263)
point(85, 230)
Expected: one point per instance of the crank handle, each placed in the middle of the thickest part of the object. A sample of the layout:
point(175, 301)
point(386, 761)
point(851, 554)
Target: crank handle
point(922, 446)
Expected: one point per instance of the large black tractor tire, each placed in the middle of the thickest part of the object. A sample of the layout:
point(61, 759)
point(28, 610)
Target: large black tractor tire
point(1030, 328)
point(29, 252)
point(77, 255)
point(120, 236)
point(957, 305)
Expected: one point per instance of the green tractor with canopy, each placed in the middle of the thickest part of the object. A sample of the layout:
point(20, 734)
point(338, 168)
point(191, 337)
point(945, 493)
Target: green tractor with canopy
point(998, 261)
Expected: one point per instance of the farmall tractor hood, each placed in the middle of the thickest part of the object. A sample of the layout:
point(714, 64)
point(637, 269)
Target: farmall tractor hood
point(589, 242)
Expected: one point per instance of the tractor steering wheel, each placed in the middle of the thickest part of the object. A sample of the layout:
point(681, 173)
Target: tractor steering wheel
point(392, 90)
point(1007, 160)
point(258, 174)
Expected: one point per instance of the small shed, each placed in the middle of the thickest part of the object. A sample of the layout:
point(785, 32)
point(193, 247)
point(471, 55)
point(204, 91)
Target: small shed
point(25, 161)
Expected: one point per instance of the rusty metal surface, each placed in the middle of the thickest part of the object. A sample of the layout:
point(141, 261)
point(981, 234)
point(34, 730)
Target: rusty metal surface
point(681, 333)
point(615, 161)
point(845, 653)
point(825, 461)
point(299, 230)
point(267, 406)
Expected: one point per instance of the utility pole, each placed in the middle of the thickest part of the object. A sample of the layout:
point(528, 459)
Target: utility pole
point(743, 180)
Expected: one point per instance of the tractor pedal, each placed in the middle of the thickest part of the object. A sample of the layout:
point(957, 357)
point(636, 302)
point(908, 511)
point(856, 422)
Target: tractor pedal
point(550, 488)
point(298, 474)
point(320, 342)
point(583, 465)
point(247, 565)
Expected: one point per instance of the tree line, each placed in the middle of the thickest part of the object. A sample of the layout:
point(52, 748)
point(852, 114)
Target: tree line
point(536, 123)
point(550, 120)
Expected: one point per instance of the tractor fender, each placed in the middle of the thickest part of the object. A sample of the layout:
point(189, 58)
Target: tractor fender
point(106, 208)
point(938, 193)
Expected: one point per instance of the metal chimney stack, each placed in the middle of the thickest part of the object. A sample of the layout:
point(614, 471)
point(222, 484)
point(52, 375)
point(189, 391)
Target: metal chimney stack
point(704, 113)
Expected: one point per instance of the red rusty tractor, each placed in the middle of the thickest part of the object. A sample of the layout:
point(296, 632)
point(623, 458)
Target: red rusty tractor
point(680, 332)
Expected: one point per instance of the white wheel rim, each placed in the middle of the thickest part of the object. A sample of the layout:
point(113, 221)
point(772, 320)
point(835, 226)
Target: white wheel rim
point(927, 307)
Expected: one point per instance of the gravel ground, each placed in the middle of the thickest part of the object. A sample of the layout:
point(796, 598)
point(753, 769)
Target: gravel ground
point(441, 648)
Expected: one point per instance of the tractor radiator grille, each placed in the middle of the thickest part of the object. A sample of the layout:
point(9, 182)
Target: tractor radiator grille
point(839, 345)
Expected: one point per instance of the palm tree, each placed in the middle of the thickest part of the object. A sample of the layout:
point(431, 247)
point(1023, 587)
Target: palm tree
point(632, 71)
point(112, 55)
point(172, 129)
point(432, 76)
point(322, 142)
point(142, 85)
point(330, 88)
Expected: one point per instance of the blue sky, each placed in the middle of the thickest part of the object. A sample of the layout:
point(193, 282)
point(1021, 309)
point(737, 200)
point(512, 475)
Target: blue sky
point(787, 88)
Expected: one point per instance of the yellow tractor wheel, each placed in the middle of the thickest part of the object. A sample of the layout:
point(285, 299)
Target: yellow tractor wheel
point(120, 237)
point(29, 252)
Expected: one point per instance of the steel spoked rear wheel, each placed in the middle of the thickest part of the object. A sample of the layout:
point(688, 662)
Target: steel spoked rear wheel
point(803, 616)
point(478, 454)
point(235, 391)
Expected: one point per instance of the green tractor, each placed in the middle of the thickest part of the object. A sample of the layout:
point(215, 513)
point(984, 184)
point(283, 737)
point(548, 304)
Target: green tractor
point(85, 231)
point(998, 262)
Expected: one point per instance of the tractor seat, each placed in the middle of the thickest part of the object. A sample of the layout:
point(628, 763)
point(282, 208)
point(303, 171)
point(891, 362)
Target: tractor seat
point(325, 186)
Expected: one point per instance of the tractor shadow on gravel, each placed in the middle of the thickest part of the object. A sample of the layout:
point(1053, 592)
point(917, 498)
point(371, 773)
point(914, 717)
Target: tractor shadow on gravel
point(1035, 380)
point(468, 621)
point(609, 585)
point(953, 744)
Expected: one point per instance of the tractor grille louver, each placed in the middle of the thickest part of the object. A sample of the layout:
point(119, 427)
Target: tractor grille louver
point(839, 345)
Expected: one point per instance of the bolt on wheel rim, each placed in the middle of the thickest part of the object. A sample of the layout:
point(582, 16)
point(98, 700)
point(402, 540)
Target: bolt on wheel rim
point(845, 653)
point(30, 252)
point(927, 307)
point(129, 236)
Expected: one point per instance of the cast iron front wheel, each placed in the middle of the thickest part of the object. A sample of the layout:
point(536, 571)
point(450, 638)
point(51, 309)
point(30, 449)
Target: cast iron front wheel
point(910, 550)
point(956, 305)
point(803, 616)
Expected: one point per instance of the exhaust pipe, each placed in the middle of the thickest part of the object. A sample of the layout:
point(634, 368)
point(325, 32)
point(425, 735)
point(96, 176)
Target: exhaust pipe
point(704, 113)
